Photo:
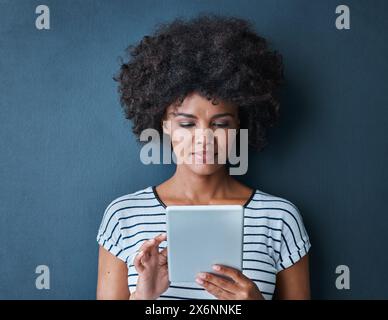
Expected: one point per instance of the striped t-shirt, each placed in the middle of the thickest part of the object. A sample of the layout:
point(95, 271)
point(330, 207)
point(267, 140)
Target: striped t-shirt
point(274, 238)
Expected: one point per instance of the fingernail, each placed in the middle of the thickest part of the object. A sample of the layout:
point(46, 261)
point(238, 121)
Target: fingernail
point(216, 267)
point(140, 253)
point(202, 275)
point(199, 280)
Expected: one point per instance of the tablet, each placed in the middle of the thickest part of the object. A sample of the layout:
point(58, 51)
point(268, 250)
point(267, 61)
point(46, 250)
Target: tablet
point(199, 236)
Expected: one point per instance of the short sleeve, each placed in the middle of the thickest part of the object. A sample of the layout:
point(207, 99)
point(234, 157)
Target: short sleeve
point(295, 242)
point(109, 233)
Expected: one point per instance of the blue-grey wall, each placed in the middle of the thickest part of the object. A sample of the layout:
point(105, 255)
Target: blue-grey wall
point(66, 149)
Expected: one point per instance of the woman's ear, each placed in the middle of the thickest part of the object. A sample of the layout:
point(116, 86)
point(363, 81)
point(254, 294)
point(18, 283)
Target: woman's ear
point(166, 126)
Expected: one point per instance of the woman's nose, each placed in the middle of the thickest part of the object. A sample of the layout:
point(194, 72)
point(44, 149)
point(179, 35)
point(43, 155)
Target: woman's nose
point(204, 136)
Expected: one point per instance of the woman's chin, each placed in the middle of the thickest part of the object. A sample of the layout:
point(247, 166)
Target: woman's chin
point(204, 169)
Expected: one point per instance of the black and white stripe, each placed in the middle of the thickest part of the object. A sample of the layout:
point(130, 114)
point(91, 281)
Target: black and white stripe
point(274, 238)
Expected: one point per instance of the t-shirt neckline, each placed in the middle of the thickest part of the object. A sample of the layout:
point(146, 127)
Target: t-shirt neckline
point(165, 206)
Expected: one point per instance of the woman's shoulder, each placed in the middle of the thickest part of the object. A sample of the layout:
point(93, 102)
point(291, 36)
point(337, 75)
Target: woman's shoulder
point(272, 203)
point(128, 200)
point(283, 218)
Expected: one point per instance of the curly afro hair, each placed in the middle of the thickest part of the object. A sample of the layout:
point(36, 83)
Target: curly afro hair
point(218, 57)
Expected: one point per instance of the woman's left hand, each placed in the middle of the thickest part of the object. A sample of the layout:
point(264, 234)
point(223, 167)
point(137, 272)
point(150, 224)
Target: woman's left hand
point(239, 288)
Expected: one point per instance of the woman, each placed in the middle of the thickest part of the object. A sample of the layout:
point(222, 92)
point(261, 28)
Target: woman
point(210, 73)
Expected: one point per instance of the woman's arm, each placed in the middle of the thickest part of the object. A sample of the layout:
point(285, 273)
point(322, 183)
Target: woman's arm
point(112, 283)
point(293, 283)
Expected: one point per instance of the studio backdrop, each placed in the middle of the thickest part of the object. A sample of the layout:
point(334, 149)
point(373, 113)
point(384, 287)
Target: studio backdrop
point(66, 149)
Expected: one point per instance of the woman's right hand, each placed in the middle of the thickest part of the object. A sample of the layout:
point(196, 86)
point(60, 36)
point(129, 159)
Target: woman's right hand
point(152, 268)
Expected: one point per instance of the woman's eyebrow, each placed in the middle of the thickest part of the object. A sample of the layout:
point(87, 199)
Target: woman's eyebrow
point(188, 115)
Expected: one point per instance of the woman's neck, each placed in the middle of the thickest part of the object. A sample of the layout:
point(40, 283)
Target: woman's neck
point(201, 188)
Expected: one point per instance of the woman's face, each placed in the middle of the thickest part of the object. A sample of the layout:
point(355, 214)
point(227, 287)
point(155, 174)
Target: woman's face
point(199, 132)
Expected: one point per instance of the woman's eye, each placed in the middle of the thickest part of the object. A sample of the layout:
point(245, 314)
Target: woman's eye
point(190, 124)
point(222, 125)
point(186, 124)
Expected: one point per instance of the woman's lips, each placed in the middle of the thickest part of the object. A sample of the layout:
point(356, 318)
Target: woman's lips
point(202, 156)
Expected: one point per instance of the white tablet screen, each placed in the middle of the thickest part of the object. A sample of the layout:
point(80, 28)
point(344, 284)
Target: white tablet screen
point(202, 235)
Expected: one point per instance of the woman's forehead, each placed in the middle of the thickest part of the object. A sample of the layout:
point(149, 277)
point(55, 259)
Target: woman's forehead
point(199, 106)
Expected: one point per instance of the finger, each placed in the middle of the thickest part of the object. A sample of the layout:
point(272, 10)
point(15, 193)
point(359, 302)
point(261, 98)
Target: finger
point(233, 273)
point(216, 291)
point(147, 246)
point(152, 244)
point(146, 257)
point(144, 245)
point(146, 254)
point(137, 262)
point(161, 237)
point(227, 285)
point(164, 252)
point(150, 248)
point(163, 256)
point(158, 240)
